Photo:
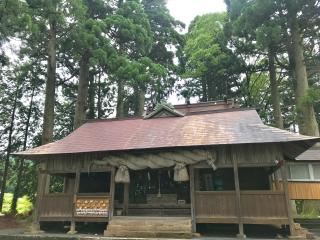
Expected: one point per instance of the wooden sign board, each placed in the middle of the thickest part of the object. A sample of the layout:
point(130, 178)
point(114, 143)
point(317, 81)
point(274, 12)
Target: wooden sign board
point(92, 207)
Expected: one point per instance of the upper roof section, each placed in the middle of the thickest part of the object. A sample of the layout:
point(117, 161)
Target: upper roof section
point(164, 110)
point(233, 126)
point(312, 154)
point(206, 106)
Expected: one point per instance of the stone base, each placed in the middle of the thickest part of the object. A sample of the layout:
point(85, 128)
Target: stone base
point(35, 229)
point(150, 227)
point(241, 236)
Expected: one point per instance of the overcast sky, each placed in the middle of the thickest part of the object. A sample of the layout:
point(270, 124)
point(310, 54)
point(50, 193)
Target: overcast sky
point(187, 10)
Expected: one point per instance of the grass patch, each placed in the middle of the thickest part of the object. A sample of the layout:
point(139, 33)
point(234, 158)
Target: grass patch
point(24, 205)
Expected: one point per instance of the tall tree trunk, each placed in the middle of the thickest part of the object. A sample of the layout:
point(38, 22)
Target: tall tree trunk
point(7, 161)
point(204, 90)
point(210, 89)
point(275, 95)
point(82, 101)
point(305, 112)
point(120, 100)
point(248, 100)
point(91, 93)
point(139, 99)
point(99, 102)
point(48, 118)
point(21, 160)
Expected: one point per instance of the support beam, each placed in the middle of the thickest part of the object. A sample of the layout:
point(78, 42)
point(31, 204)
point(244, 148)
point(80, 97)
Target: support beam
point(75, 191)
point(43, 180)
point(192, 199)
point(47, 184)
point(72, 227)
point(112, 192)
point(126, 187)
point(284, 177)
point(65, 184)
point(196, 179)
point(238, 196)
point(276, 181)
point(111, 199)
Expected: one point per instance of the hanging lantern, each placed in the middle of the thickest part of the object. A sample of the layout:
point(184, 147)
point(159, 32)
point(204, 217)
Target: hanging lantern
point(180, 173)
point(122, 175)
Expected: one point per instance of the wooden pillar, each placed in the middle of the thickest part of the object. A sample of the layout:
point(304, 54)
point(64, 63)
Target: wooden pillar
point(41, 189)
point(126, 187)
point(112, 192)
point(270, 180)
point(75, 191)
point(284, 177)
point(65, 184)
point(111, 197)
point(46, 184)
point(192, 199)
point(238, 196)
point(196, 180)
point(276, 181)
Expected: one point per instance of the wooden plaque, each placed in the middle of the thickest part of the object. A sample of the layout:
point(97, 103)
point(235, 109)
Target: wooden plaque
point(92, 207)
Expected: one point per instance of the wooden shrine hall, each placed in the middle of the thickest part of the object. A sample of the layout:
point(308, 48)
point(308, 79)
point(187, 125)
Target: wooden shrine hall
point(164, 173)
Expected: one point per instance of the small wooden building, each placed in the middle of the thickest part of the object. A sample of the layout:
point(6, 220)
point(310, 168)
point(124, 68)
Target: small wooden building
point(169, 171)
point(304, 175)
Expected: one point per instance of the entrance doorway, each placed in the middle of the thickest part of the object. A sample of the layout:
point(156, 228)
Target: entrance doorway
point(153, 192)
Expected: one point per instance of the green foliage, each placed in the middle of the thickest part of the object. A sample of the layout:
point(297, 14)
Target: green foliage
point(24, 206)
point(203, 49)
point(7, 202)
point(56, 184)
point(312, 96)
point(13, 18)
point(130, 29)
point(210, 66)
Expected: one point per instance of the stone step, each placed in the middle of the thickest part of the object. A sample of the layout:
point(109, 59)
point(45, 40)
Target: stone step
point(148, 234)
point(149, 227)
point(141, 227)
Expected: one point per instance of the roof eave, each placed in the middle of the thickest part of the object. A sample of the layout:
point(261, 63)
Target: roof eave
point(26, 154)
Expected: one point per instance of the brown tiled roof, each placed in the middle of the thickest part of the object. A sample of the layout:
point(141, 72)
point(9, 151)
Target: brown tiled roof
point(312, 154)
point(228, 127)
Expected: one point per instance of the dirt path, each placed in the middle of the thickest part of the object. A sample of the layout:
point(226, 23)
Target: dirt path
point(9, 222)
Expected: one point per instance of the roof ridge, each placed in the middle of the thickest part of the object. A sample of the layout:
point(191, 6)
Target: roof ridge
point(221, 111)
point(187, 114)
point(112, 119)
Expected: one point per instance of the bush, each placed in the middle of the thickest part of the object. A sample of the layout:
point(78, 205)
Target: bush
point(7, 200)
point(24, 205)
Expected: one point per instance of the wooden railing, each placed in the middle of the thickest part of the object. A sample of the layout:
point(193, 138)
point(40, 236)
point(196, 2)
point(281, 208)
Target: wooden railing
point(57, 205)
point(256, 207)
point(218, 204)
point(268, 204)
